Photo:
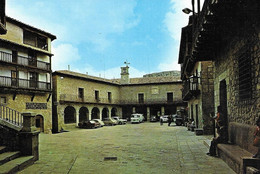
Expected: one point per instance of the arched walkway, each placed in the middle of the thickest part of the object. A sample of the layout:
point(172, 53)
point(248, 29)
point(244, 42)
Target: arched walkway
point(114, 112)
point(39, 123)
point(95, 113)
point(69, 115)
point(105, 113)
point(83, 114)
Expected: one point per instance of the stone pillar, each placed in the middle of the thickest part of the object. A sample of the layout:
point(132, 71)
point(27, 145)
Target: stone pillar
point(109, 112)
point(133, 110)
point(29, 136)
point(162, 110)
point(77, 118)
point(148, 113)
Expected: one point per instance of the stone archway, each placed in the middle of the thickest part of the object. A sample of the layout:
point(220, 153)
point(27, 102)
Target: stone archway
point(105, 113)
point(95, 113)
point(69, 115)
point(113, 112)
point(83, 114)
point(39, 123)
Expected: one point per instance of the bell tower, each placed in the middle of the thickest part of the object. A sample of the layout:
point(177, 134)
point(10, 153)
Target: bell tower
point(125, 74)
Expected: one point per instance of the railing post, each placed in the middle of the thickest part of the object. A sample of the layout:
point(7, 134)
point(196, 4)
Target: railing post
point(29, 136)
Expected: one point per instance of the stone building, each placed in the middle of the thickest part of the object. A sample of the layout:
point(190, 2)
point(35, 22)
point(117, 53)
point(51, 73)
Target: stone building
point(92, 97)
point(198, 88)
point(228, 33)
point(89, 97)
point(25, 71)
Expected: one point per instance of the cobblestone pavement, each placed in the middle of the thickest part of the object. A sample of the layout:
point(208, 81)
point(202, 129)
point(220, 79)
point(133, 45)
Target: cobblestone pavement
point(140, 148)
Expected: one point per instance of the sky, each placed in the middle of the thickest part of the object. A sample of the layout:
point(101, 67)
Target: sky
point(97, 36)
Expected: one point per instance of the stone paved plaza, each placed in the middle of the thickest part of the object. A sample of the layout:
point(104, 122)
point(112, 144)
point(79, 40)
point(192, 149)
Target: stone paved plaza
point(139, 148)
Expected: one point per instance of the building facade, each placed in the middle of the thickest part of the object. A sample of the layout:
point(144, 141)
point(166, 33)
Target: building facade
point(198, 86)
point(92, 97)
point(25, 71)
point(88, 98)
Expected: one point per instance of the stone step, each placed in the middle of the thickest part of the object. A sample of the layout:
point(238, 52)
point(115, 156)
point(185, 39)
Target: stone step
point(3, 149)
point(8, 156)
point(17, 164)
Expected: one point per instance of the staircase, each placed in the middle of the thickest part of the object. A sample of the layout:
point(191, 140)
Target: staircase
point(12, 162)
point(13, 157)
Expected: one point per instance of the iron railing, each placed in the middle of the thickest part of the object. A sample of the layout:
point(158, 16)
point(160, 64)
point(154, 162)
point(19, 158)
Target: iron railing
point(25, 61)
point(24, 83)
point(76, 98)
point(190, 88)
point(11, 116)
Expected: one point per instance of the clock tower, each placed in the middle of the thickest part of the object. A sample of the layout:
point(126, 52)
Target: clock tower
point(125, 74)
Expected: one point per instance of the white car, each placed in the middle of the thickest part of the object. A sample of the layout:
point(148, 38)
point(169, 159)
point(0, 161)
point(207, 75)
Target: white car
point(100, 122)
point(120, 120)
point(137, 118)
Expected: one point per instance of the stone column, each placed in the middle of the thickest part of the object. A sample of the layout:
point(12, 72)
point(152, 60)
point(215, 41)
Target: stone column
point(29, 136)
point(77, 118)
point(109, 112)
point(162, 110)
point(148, 113)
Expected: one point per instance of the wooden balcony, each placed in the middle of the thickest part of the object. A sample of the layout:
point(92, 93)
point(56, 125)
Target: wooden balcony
point(24, 61)
point(190, 89)
point(24, 84)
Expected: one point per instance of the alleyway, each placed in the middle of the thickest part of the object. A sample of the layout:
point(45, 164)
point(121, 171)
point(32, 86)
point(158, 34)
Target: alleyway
point(140, 148)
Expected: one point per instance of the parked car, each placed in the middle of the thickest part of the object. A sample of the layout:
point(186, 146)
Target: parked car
point(100, 122)
point(120, 120)
point(153, 118)
point(137, 118)
point(89, 124)
point(109, 122)
point(164, 118)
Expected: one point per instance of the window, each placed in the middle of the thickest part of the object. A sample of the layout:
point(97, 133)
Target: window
point(141, 98)
point(33, 79)
point(169, 97)
point(81, 93)
point(109, 95)
point(97, 95)
point(14, 78)
point(14, 56)
point(3, 100)
point(32, 58)
point(35, 40)
point(244, 75)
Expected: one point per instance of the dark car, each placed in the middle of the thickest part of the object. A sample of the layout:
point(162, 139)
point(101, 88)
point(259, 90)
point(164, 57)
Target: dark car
point(153, 118)
point(89, 124)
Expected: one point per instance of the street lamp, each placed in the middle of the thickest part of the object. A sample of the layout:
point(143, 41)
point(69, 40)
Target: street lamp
point(186, 10)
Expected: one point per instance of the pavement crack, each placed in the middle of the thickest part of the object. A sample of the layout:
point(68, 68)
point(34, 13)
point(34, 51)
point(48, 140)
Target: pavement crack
point(72, 164)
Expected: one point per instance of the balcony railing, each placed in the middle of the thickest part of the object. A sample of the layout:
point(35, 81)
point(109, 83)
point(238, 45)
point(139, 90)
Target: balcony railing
point(190, 89)
point(24, 83)
point(76, 98)
point(25, 61)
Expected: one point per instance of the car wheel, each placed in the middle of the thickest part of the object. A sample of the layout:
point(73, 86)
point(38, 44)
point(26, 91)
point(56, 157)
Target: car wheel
point(120, 123)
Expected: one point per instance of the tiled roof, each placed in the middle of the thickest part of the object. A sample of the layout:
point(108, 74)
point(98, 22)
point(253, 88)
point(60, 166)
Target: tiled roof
point(31, 27)
point(85, 76)
point(133, 81)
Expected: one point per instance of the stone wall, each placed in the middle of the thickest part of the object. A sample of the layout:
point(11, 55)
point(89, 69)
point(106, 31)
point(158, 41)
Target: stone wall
point(247, 39)
point(39, 106)
point(152, 92)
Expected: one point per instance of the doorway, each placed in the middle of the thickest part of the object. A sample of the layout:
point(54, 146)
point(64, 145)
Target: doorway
point(223, 99)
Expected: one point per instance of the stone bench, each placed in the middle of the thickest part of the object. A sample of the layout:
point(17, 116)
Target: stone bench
point(240, 147)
